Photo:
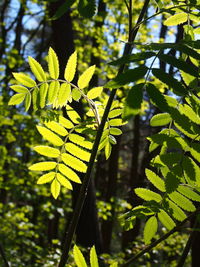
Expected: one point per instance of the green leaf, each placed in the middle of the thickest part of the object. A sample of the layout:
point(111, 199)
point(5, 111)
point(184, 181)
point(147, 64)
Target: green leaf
point(95, 92)
point(79, 140)
point(155, 180)
point(115, 122)
point(191, 170)
point(64, 94)
point(62, 9)
point(56, 127)
point(54, 88)
point(114, 113)
point(115, 131)
point(93, 257)
point(127, 77)
point(71, 67)
point(160, 119)
point(46, 178)
point(195, 150)
point(53, 64)
point(76, 94)
point(55, 188)
point(176, 212)
point(63, 181)
point(166, 220)
point(182, 201)
point(37, 69)
point(19, 89)
point(132, 58)
point(47, 151)
point(43, 93)
point(27, 101)
point(87, 8)
point(176, 19)
point(108, 149)
point(179, 64)
point(77, 151)
point(65, 122)
point(135, 97)
point(157, 97)
point(147, 194)
point(24, 79)
point(73, 115)
point(43, 166)
point(150, 229)
point(190, 113)
point(169, 80)
point(171, 182)
point(73, 162)
point(78, 257)
point(35, 98)
point(71, 175)
point(17, 99)
point(85, 78)
point(189, 193)
point(50, 136)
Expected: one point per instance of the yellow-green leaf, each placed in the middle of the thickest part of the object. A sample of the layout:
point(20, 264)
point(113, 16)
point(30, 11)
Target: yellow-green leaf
point(166, 220)
point(55, 188)
point(115, 131)
point(78, 257)
point(70, 174)
point(73, 115)
point(63, 181)
point(77, 151)
point(74, 163)
point(76, 94)
point(53, 64)
point(115, 122)
point(47, 151)
point(27, 102)
point(71, 67)
point(65, 122)
point(114, 113)
point(56, 127)
point(24, 79)
point(95, 92)
point(93, 257)
point(37, 69)
point(19, 89)
point(108, 149)
point(64, 94)
point(50, 136)
point(43, 94)
point(85, 78)
point(43, 166)
point(46, 178)
point(150, 229)
point(16, 99)
point(176, 19)
point(54, 88)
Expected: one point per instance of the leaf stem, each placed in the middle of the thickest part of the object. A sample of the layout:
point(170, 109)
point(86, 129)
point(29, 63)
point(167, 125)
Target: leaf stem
point(84, 188)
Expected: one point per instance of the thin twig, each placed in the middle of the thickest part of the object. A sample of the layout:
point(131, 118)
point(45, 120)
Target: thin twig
point(84, 188)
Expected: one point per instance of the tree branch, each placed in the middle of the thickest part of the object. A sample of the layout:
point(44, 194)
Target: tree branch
point(2, 253)
point(86, 181)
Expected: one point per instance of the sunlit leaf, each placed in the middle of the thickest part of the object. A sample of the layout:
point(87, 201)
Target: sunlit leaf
point(53, 64)
point(150, 229)
point(46, 178)
point(55, 188)
point(85, 78)
point(37, 69)
point(71, 67)
point(43, 166)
